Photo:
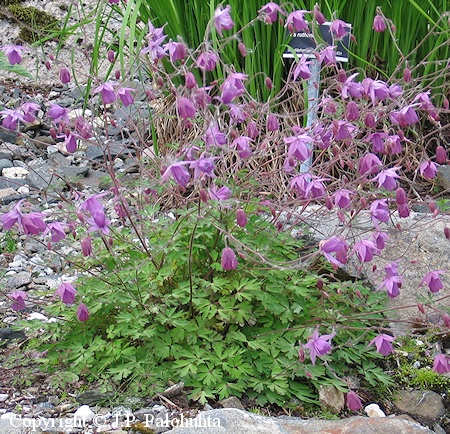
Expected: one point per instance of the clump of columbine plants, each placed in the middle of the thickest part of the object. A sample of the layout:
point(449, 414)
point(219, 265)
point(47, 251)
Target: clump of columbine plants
point(192, 274)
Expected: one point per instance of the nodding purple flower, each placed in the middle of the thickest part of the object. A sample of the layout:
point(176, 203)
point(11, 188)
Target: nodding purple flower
point(83, 127)
point(19, 298)
point(405, 117)
point(370, 120)
point(299, 145)
point(29, 110)
point(214, 136)
point(314, 187)
point(298, 183)
point(185, 108)
point(14, 53)
point(328, 55)
point(369, 164)
point(377, 90)
point(441, 155)
point(379, 210)
point(352, 111)
point(380, 239)
point(272, 123)
point(179, 173)
point(392, 145)
point(441, 364)
point(242, 145)
point(241, 218)
point(342, 198)
point(58, 114)
point(393, 281)
point(82, 312)
point(270, 11)
point(339, 28)
point(92, 204)
point(201, 96)
point(207, 61)
point(203, 166)
point(177, 50)
point(366, 250)
point(11, 118)
point(223, 193)
point(379, 24)
point(336, 245)
point(190, 80)
point(107, 92)
point(428, 169)
point(56, 230)
point(352, 88)
point(302, 68)
point(386, 178)
point(229, 93)
point(353, 401)
point(29, 224)
point(377, 140)
point(86, 246)
point(124, 93)
point(252, 130)
point(99, 222)
point(433, 280)
point(229, 260)
point(64, 75)
point(400, 196)
point(295, 22)
point(318, 345)
point(67, 292)
point(222, 19)
point(318, 15)
point(395, 91)
point(71, 143)
point(237, 113)
point(383, 344)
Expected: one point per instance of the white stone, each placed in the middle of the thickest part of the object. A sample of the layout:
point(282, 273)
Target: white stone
point(38, 316)
point(24, 189)
point(9, 416)
point(15, 172)
point(374, 410)
point(84, 413)
point(3, 397)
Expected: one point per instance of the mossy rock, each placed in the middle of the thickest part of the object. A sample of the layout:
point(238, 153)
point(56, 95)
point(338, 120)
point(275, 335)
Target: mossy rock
point(34, 23)
point(10, 2)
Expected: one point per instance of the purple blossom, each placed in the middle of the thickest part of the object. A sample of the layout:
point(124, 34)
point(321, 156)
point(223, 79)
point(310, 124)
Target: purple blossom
point(19, 298)
point(318, 345)
point(92, 204)
point(58, 114)
point(155, 37)
point(350, 87)
point(29, 110)
point(339, 28)
point(99, 222)
point(242, 145)
point(378, 24)
point(29, 224)
point(377, 141)
point(67, 292)
point(369, 120)
point(177, 50)
point(369, 164)
point(342, 198)
point(14, 53)
point(241, 218)
point(315, 188)
point(298, 145)
point(207, 61)
point(405, 117)
point(383, 343)
point(271, 10)
point(395, 91)
point(214, 136)
point(185, 108)
point(56, 229)
point(296, 22)
point(107, 92)
point(190, 80)
point(380, 238)
point(229, 92)
point(201, 96)
point(252, 130)
point(377, 90)
point(124, 93)
point(86, 246)
point(428, 169)
point(337, 245)
point(11, 118)
point(203, 166)
point(352, 111)
point(392, 145)
point(441, 155)
point(366, 250)
point(237, 113)
point(433, 280)
point(353, 401)
point(83, 127)
point(393, 281)
point(441, 364)
point(229, 260)
point(82, 312)
point(223, 193)
point(222, 19)
point(272, 123)
point(302, 68)
point(71, 143)
point(328, 55)
point(379, 210)
point(179, 173)
point(386, 178)
point(64, 75)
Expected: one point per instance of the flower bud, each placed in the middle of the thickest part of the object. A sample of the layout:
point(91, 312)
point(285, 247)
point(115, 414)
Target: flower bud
point(342, 76)
point(111, 56)
point(301, 355)
point(229, 260)
point(117, 74)
point(48, 65)
point(447, 232)
point(272, 123)
point(242, 49)
point(319, 284)
point(64, 75)
point(446, 104)
point(407, 75)
point(190, 80)
point(400, 196)
point(446, 319)
point(203, 195)
point(441, 155)
point(369, 120)
point(421, 308)
point(269, 83)
point(318, 16)
point(432, 206)
point(241, 218)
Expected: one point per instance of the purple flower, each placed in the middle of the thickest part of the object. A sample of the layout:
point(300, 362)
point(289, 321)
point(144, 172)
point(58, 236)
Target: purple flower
point(380, 239)
point(296, 22)
point(67, 293)
point(383, 343)
point(190, 80)
point(92, 204)
point(377, 141)
point(339, 28)
point(353, 401)
point(298, 145)
point(201, 96)
point(207, 61)
point(11, 118)
point(343, 130)
point(179, 173)
point(177, 51)
point(86, 246)
point(272, 123)
point(433, 280)
point(342, 198)
point(84, 129)
point(252, 130)
point(71, 143)
point(155, 37)
point(336, 245)
point(378, 24)
point(185, 108)
point(314, 187)
point(271, 10)
point(392, 145)
point(14, 53)
point(29, 224)
point(405, 117)
point(223, 193)
point(203, 166)
point(386, 178)
point(379, 210)
point(441, 155)
point(400, 196)
point(352, 111)
point(369, 164)
point(107, 92)
point(242, 145)
point(369, 120)
point(428, 169)
point(99, 222)
point(318, 345)
point(82, 312)
point(19, 298)
point(29, 110)
point(302, 68)
point(241, 218)
point(222, 19)
point(229, 260)
point(229, 92)
point(58, 114)
point(395, 91)
point(328, 55)
point(214, 136)
point(111, 56)
point(441, 364)
point(64, 75)
point(393, 281)
point(56, 230)
point(356, 90)
point(125, 96)
point(366, 250)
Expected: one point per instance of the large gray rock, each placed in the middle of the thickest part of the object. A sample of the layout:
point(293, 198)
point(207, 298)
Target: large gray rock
point(422, 403)
point(230, 420)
